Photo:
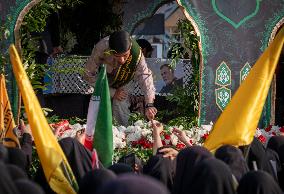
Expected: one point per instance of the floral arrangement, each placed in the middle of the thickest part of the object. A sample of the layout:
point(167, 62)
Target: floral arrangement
point(140, 134)
point(264, 134)
point(138, 138)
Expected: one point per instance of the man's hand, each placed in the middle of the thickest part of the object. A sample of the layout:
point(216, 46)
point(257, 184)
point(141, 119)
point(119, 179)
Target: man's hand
point(120, 94)
point(151, 113)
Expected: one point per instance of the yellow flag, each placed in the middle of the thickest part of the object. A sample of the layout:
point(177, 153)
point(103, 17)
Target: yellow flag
point(54, 163)
point(7, 132)
point(237, 124)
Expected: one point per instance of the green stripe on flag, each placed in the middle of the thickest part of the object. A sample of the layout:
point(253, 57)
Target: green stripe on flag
point(103, 138)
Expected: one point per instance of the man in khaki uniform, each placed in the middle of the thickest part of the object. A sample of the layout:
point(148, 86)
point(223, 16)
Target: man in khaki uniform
point(124, 62)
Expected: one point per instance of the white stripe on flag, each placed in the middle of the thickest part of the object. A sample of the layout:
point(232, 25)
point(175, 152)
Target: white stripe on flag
point(92, 115)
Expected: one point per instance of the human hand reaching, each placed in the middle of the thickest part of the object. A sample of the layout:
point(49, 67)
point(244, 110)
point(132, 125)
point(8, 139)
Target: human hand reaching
point(120, 94)
point(169, 153)
point(25, 129)
point(182, 136)
point(150, 113)
point(157, 127)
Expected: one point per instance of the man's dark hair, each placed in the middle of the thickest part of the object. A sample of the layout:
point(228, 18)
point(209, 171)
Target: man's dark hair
point(120, 41)
point(168, 66)
point(143, 43)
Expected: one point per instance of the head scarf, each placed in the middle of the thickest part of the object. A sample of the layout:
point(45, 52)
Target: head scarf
point(134, 184)
point(7, 185)
point(40, 179)
point(28, 187)
point(163, 169)
point(211, 176)
point(3, 153)
point(258, 182)
point(234, 158)
point(262, 158)
point(275, 142)
point(272, 163)
point(256, 153)
point(281, 173)
point(16, 172)
point(133, 161)
point(94, 180)
point(79, 158)
point(281, 154)
point(17, 157)
point(187, 160)
point(120, 168)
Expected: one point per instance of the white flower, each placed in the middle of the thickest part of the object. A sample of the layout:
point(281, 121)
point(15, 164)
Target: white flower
point(76, 127)
point(206, 127)
point(174, 139)
point(130, 129)
point(139, 123)
point(118, 143)
point(275, 129)
point(258, 132)
point(149, 138)
point(121, 128)
point(133, 137)
point(145, 132)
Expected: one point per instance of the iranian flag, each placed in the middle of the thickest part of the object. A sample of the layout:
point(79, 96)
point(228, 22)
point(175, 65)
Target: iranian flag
point(99, 120)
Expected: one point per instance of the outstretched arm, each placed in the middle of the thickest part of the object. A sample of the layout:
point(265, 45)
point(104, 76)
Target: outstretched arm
point(157, 129)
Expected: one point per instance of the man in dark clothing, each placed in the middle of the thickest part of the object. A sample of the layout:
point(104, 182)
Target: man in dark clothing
point(167, 73)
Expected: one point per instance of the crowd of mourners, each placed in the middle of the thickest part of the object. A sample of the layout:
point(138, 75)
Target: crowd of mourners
point(252, 169)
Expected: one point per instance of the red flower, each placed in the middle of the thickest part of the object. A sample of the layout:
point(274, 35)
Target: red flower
point(205, 136)
point(163, 142)
point(180, 146)
point(281, 129)
point(262, 139)
point(147, 144)
point(273, 133)
point(268, 128)
point(167, 136)
point(144, 143)
point(134, 143)
point(190, 141)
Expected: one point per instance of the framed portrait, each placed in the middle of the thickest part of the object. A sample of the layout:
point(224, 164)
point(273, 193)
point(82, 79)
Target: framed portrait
point(167, 76)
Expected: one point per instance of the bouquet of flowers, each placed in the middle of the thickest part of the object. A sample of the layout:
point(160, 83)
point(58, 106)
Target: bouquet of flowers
point(264, 134)
point(138, 137)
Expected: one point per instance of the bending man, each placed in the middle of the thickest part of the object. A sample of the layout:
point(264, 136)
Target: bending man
point(124, 61)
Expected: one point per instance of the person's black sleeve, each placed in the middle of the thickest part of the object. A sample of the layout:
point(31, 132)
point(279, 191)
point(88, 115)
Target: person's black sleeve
point(27, 147)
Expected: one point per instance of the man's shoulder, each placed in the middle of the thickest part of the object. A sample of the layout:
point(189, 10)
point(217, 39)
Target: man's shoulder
point(103, 44)
point(165, 89)
point(179, 82)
